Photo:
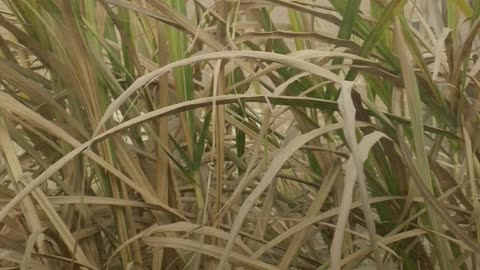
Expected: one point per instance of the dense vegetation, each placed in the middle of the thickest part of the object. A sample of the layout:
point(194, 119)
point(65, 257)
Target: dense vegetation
point(242, 134)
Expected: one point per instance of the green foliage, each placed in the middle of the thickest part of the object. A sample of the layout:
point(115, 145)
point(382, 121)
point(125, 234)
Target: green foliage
point(257, 134)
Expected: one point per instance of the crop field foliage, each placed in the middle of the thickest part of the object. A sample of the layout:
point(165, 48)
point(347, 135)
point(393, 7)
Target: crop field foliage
point(239, 134)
